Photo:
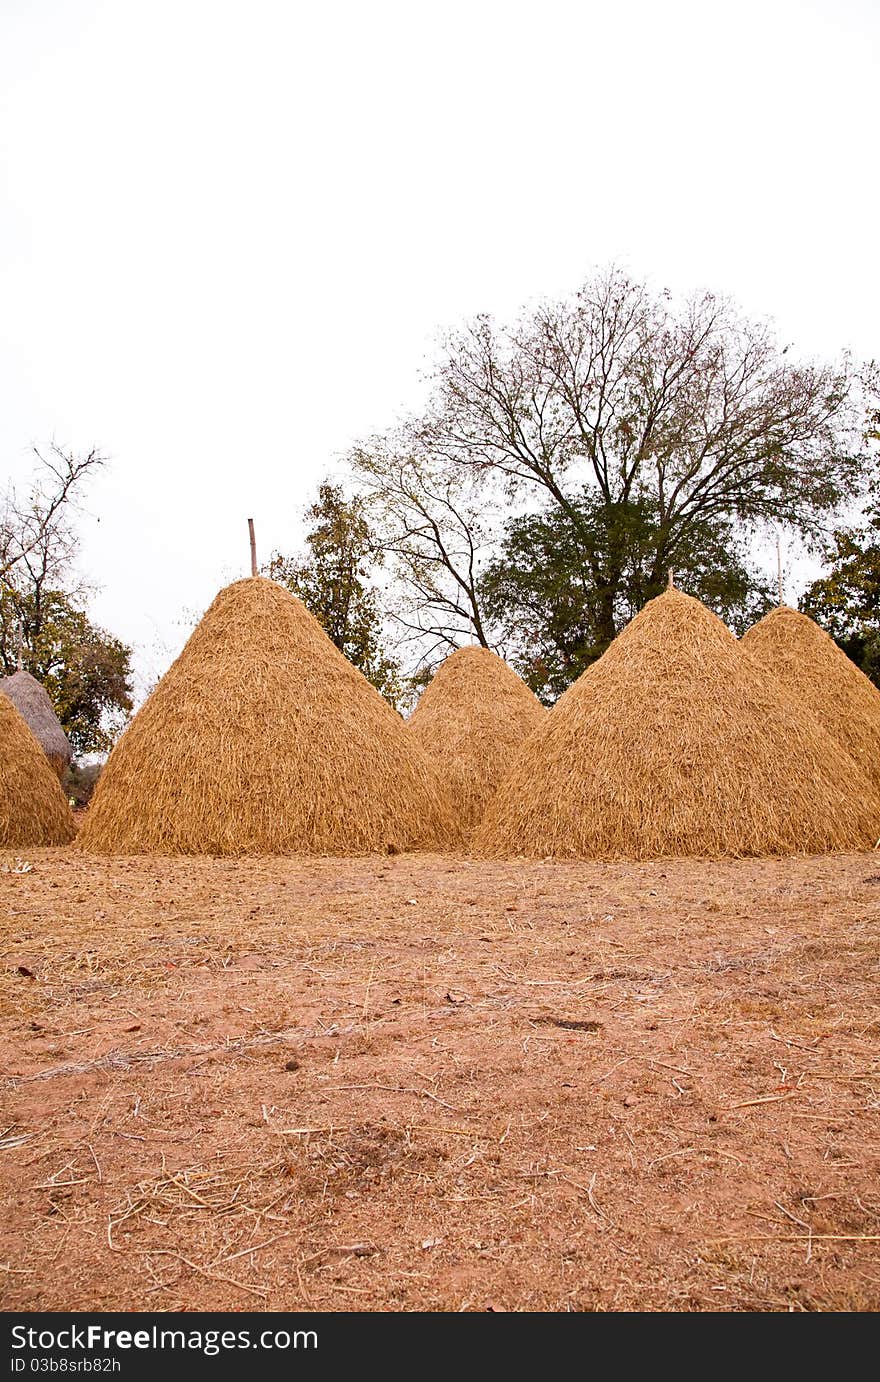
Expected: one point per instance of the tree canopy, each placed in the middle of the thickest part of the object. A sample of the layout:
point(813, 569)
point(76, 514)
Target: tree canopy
point(567, 460)
point(846, 599)
point(540, 585)
point(85, 670)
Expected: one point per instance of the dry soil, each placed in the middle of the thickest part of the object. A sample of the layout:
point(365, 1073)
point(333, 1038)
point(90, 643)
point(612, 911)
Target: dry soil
point(426, 1083)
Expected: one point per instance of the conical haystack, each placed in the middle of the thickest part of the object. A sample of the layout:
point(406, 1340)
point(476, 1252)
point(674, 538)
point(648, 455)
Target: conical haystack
point(263, 739)
point(471, 720)
point(675, 743)
point(823, 679)
point(31, 700)
point(33, 810)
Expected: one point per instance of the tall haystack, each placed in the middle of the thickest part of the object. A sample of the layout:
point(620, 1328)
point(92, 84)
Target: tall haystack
point(263, 739)
point(675, 743)
point(822, 679)
point(33, 810)
point(31, 700)
point(471, 719)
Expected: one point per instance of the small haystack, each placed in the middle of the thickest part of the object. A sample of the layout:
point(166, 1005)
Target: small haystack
point(823, 679)
point(675, 743)
point(263, 739)
point(33, 810)
point(31, 700)
point(471, 720)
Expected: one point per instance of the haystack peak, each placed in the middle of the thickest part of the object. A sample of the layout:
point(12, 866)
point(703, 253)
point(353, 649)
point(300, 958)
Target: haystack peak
point(474, 660)
point(677, 615)
point(31, 700)
point(807, 662)
point(674, 743)
point(33, 810)
point(262, 738)
point(471, 719)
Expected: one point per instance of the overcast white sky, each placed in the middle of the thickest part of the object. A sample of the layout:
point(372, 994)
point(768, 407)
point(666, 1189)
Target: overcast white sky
point(229, 231)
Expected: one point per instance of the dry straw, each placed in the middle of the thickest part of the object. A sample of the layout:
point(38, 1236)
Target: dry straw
point(33, 810)
point(675, 743)
point(263, 739)
point(471, 719)
point(32, 702)
point(812, 668)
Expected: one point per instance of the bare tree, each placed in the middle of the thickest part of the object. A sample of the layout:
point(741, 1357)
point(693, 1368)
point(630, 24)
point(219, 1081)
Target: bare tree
point(37, 545)
point(429, 521)
point(36, 536)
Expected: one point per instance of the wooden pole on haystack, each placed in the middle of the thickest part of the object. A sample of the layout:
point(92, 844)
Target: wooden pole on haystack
point(254, 571)
point(779, 572)
point(671, 582)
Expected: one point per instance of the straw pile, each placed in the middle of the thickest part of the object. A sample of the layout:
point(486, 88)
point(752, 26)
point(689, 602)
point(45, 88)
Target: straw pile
point(675, 743)
point(31, 700)
point(263, 739)
point(823, 679)
point(33, 810)
point(471, 720)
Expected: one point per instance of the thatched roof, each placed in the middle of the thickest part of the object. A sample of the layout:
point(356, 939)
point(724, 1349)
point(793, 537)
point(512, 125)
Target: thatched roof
point(471, 718)
point(33, 810)
point(675, 743)
point(263, 739)
point(823, 679)
point(32, 702)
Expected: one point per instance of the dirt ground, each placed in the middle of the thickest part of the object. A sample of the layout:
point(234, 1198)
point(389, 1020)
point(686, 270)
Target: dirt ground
point(425, 1083)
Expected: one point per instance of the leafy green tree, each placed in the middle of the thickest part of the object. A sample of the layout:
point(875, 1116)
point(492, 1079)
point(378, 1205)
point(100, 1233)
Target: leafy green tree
point(86, 671)
point(846, 601)
point(542, 586)
point(332, 578)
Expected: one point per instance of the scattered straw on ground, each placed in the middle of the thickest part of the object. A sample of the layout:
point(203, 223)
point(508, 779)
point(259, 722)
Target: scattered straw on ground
point(471, 719)
point(676, 744)
point(263, 739)
point(424, 1083)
